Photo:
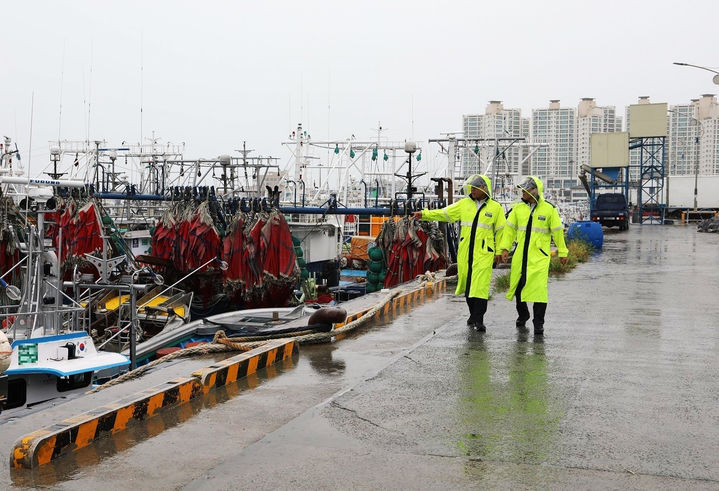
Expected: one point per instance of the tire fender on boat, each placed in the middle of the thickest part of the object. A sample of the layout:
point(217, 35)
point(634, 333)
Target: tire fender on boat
point(328, 315)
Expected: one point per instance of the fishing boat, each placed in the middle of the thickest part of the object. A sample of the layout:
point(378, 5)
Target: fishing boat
point(248, 322)
point(64, 266)
point(50, 357)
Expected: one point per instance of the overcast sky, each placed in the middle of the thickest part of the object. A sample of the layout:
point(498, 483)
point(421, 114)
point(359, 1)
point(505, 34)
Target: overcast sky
point(212, 74)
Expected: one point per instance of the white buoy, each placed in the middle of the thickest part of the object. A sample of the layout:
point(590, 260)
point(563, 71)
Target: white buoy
point(5, 352)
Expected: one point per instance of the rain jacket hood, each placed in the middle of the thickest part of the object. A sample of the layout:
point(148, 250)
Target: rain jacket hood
point(478, 181)
point(537, 183)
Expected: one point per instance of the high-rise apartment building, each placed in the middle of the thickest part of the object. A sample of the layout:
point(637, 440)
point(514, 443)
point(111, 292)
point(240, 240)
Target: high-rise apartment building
point(496, 122)
point(556, 163)
point(692, 143)
point(682, 147)
point(708, 116)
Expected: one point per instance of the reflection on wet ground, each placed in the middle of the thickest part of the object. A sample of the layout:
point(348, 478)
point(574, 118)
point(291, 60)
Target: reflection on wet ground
point(508, 404)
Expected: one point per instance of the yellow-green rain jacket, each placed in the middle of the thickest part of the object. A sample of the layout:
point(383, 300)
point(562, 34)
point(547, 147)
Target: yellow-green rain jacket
point(533, 243)
point(476, 241)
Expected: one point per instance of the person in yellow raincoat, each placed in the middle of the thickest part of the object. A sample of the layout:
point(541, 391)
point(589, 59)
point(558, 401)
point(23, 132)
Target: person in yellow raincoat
point(533, 223)
point(481, 219)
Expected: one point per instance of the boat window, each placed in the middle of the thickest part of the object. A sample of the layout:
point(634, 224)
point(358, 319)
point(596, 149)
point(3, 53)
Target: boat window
point(72, 382)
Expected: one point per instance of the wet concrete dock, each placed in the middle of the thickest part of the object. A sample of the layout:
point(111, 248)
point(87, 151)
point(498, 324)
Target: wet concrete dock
point(621, 392)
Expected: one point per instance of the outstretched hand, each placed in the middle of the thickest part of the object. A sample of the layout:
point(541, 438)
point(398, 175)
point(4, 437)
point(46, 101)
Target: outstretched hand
point(417, 215)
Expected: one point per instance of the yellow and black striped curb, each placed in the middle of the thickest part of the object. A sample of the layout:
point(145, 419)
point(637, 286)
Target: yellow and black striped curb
point(406, 299)
point(45, 445)
point(228, 371)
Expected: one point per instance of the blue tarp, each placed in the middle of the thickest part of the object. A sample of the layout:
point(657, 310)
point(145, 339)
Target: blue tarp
point(360, 273)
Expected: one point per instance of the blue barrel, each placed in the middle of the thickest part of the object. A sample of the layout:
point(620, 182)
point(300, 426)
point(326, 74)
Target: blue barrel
point(588, 231)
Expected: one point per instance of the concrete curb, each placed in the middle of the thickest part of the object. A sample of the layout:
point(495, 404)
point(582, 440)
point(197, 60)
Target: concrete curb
point(45, 445)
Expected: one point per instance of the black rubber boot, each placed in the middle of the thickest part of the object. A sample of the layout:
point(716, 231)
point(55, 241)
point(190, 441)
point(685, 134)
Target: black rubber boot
point(539, 330)
point(521, 324)
point(479, 327)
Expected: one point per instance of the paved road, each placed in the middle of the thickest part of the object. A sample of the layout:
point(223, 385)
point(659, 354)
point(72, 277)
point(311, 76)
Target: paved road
point(621, 392)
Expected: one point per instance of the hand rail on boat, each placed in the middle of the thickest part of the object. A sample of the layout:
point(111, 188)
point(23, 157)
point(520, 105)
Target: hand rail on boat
point(123, 329)
point(119, 331)
point(179, 281)
point(65, 295)
point(10, 270)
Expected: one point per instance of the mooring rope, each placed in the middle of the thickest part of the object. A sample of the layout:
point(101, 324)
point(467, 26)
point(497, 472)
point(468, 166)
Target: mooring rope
point(363, 319)
point(221, 343)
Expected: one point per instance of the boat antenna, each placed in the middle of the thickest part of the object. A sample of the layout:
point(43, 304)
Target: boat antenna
point(412, 99)
point(142, 80)
point(302, 96)
point(329, 95)
point(62, 79)
point(89, 95)
point(29, 156)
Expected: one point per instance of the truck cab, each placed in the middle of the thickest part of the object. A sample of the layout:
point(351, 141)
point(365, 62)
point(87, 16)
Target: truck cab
point(611, 210)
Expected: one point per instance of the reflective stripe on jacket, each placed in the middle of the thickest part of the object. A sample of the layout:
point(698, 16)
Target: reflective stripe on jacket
point(480, 246)
point(535, 237)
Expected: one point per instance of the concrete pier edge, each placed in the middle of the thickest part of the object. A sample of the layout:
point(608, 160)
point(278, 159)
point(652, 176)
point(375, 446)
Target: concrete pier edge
point(45, 445)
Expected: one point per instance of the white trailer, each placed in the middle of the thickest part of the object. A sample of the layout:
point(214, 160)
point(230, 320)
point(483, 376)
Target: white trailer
point(680, 192)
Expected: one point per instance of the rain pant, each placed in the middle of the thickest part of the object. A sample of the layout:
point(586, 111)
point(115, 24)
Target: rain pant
point(533, 229)
point(476, 242)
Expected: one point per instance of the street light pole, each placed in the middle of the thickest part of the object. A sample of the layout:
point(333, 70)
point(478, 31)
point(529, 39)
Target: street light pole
point(715, 79)
point(697, 139)
point(696, 182)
